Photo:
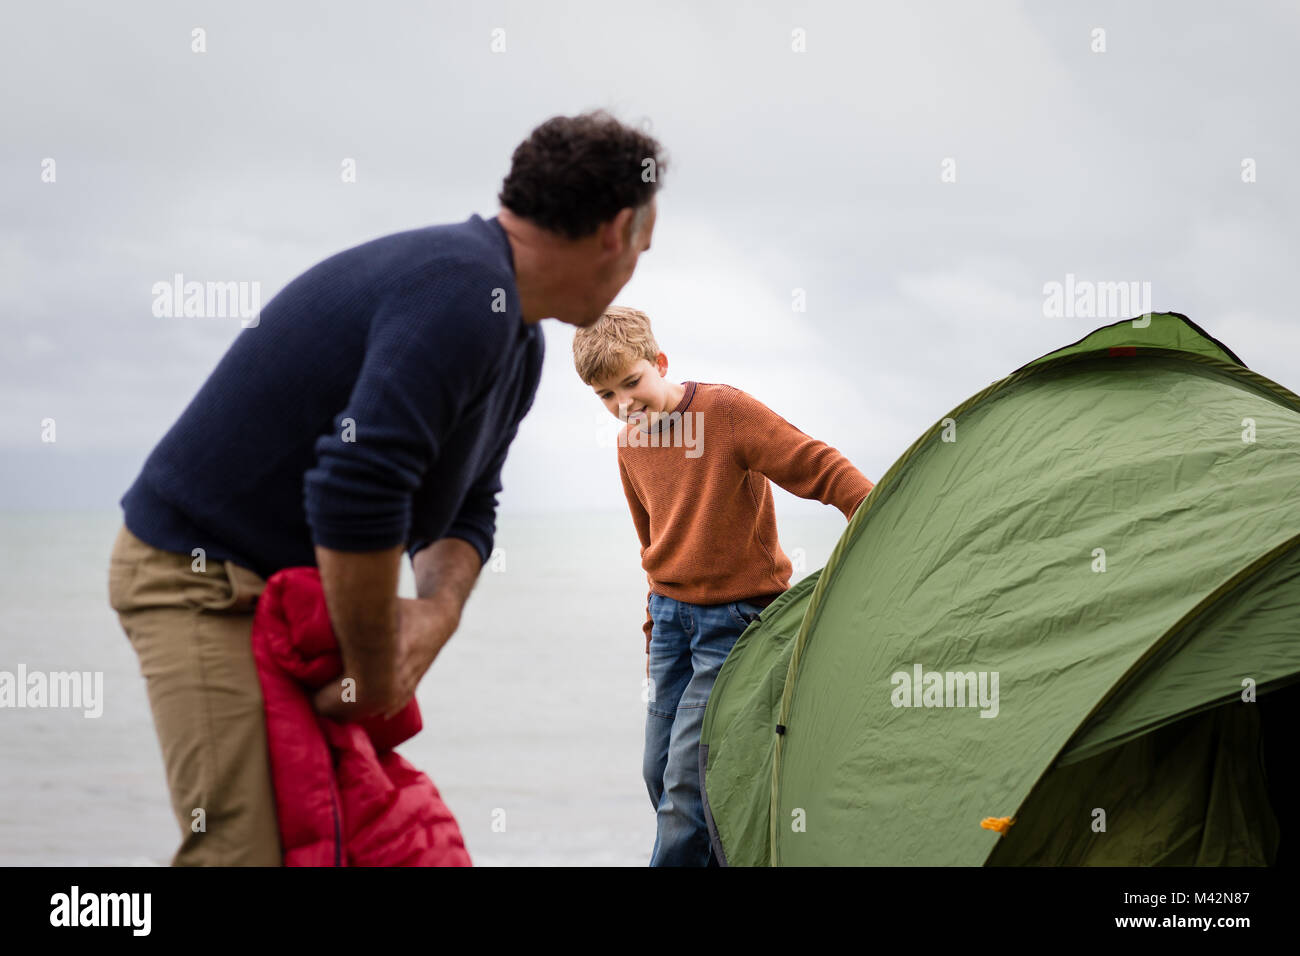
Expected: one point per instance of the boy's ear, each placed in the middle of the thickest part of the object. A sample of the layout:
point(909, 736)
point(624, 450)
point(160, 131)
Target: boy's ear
point(661, 363)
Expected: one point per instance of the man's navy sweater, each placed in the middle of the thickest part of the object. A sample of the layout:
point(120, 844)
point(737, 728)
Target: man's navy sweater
point(371, 406)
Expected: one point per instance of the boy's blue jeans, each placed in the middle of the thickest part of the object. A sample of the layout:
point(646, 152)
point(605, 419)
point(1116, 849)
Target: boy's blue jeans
point(688, 645)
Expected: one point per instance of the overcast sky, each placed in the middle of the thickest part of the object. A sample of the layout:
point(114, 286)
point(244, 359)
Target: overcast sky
point(821, 170)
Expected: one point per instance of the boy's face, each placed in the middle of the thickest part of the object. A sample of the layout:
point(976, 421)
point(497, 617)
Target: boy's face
point(638, 393)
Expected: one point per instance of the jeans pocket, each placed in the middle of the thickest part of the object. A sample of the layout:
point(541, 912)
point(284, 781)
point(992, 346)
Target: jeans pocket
point(661, 613)
point(744, 613)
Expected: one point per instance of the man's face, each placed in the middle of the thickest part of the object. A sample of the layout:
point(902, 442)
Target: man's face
point(616, 249)
point(638, 393)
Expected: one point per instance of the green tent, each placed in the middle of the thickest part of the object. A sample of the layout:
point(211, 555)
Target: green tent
point(1062, 629)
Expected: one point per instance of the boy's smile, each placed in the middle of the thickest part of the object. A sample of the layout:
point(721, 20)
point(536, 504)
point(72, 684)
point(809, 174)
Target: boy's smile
point(639, 393)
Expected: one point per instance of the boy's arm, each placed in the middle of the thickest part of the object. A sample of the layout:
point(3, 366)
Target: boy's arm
point(640, 518)
point(765, 442)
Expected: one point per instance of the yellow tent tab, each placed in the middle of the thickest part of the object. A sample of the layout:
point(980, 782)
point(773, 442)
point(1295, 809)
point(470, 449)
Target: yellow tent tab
point(1001, 824)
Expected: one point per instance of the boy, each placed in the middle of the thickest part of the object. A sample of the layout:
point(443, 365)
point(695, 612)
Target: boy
point(695, 460)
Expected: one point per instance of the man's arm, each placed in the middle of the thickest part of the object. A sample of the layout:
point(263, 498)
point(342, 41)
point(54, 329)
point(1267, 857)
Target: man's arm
point(426, 359)
point(361, 597)
point(388, 643)
point(446, 570)
point(429, 349)
point(445, 573)
point(475, 524)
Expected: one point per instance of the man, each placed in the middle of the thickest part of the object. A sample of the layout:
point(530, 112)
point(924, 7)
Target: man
point(368, 412)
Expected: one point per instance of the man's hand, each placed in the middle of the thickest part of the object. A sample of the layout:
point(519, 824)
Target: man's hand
point(389, 642)
point(424, 625)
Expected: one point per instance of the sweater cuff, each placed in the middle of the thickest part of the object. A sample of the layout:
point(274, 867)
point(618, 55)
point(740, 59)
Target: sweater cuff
point(351, 531)
point(479, 539)
point(348, 512)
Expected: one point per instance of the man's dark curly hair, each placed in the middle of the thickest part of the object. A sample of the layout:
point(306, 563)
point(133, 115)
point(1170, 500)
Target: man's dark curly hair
point(573, 173)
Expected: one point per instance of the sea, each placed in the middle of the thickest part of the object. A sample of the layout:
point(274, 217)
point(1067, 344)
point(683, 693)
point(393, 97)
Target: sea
point(533, 713)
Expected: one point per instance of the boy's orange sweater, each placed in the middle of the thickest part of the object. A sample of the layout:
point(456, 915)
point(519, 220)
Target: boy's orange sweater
point(697, 486)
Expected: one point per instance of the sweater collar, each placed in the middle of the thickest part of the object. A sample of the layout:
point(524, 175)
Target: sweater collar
point(499, 233)
point(686, 398)
point(681, 407)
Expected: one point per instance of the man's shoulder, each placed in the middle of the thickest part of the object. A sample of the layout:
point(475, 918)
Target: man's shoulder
point(472, 235)
point(470, 253)
point(459, 278)
point(440, 264)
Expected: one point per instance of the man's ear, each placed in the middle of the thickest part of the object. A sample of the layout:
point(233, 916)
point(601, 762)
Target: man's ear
point(618, 234)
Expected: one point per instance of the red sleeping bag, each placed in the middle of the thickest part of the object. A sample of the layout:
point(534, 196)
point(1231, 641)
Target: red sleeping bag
point(343, 797)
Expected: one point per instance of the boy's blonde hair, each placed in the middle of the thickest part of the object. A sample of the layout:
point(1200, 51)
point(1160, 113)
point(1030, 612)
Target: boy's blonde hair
point(612, 343)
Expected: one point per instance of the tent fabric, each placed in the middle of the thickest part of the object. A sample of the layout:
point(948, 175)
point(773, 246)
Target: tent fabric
point(1182, 336)
point(1205, 657)
point(1188, 794)
point(748, 693)
point(1108, 533)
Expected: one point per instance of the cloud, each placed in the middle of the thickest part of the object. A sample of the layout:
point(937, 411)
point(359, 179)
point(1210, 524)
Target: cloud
point(817, 171)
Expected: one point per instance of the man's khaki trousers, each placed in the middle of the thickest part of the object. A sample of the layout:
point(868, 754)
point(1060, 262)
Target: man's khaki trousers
point(190, 629)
